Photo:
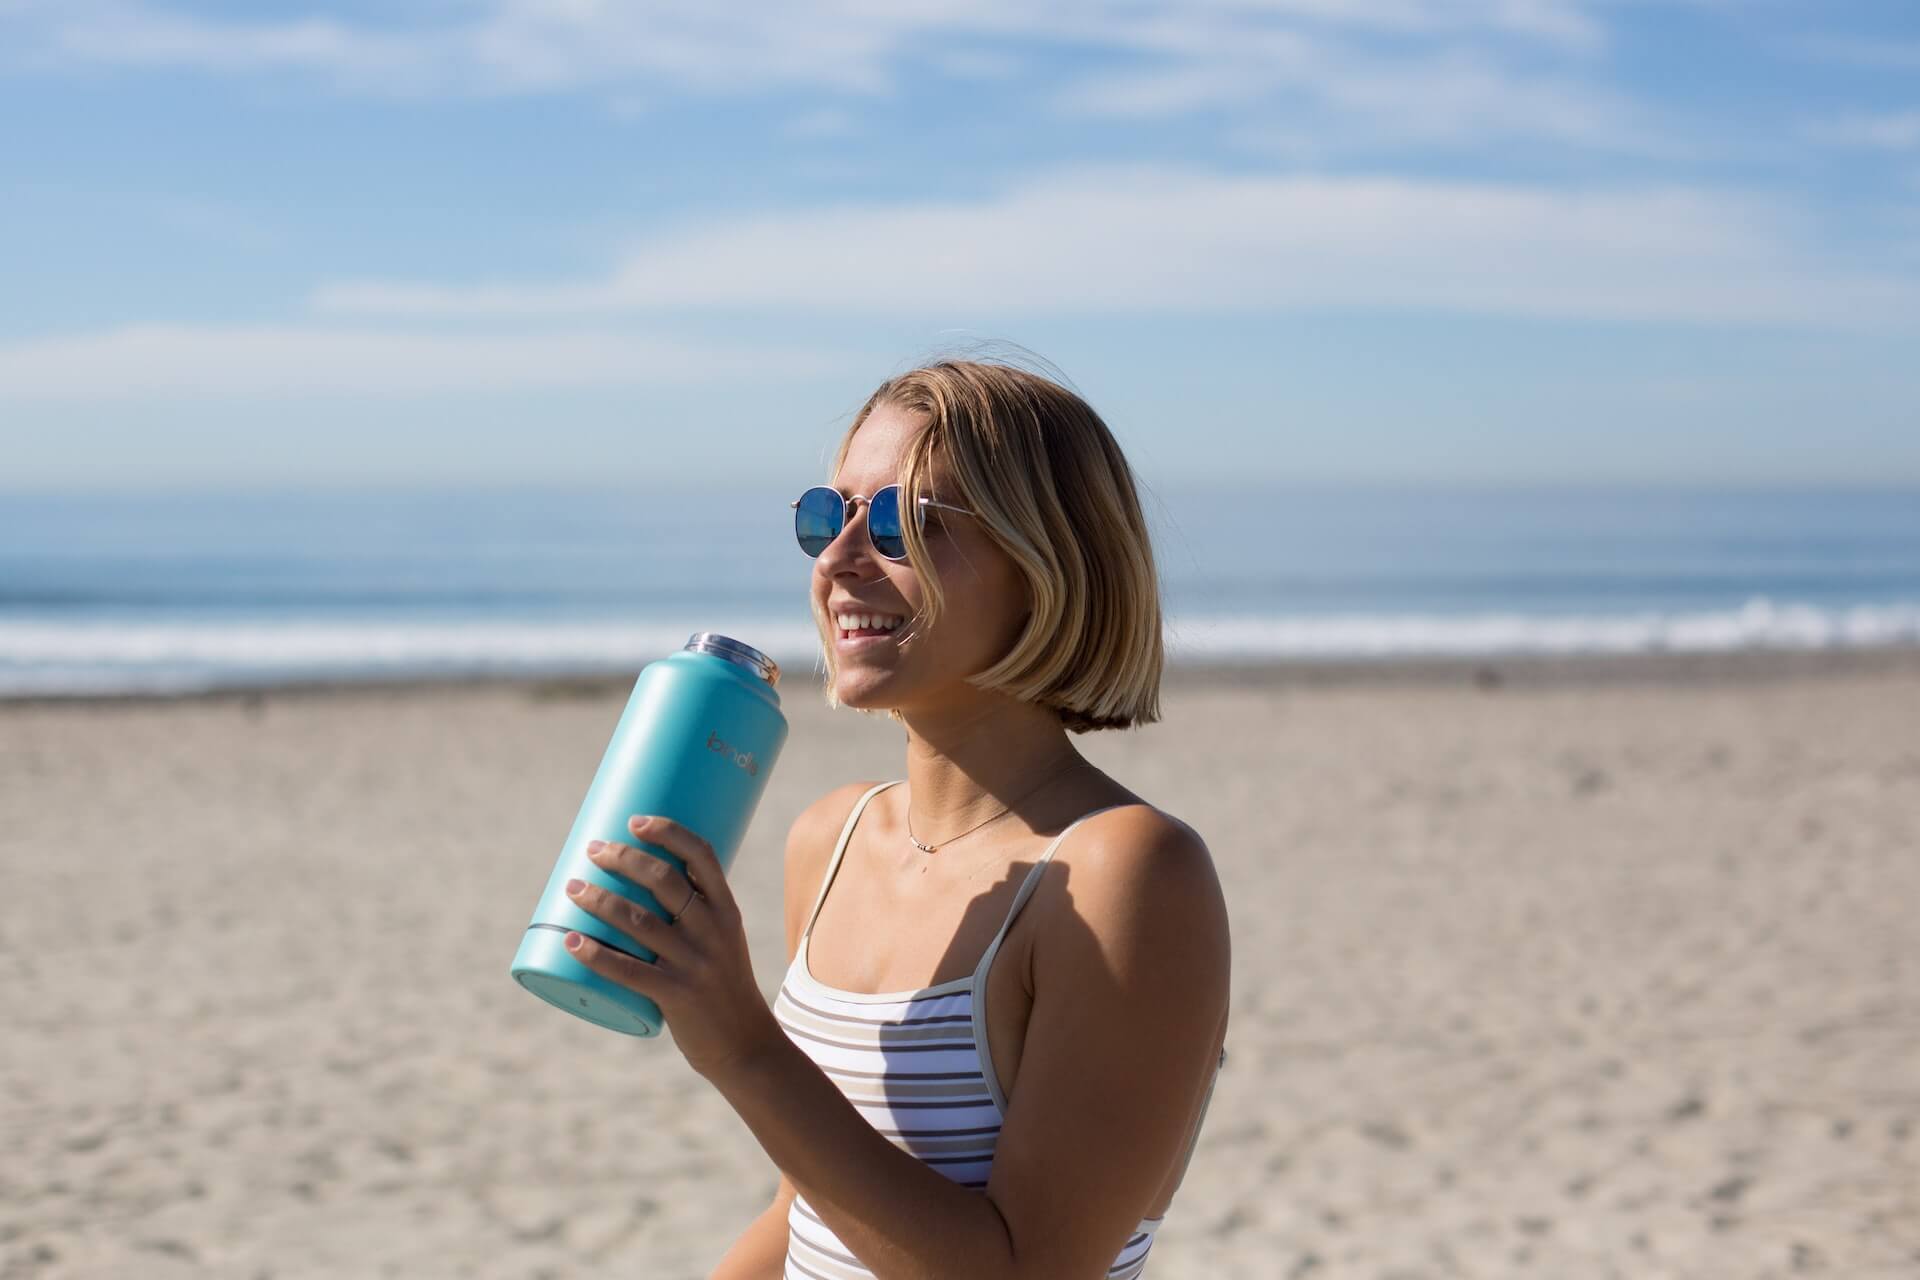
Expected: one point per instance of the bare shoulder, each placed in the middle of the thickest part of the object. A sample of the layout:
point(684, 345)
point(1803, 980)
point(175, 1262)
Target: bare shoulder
point(1141, 905)
point(810, 842)
point(1131, 985)
point(1136, 872)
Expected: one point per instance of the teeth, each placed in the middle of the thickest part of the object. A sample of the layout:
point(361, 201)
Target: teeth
point(866, 621)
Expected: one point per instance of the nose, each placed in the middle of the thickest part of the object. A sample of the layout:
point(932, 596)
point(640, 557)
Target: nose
point(850, 545)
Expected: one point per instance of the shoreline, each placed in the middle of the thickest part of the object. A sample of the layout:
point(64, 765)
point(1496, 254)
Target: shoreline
point(1488, 672)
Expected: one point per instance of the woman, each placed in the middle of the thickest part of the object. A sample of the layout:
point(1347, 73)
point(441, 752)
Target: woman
point(997, 1035)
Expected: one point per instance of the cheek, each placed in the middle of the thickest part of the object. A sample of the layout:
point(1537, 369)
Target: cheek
point(987, 587)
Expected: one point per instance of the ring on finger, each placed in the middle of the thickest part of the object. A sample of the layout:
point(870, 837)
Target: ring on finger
point(675, 917)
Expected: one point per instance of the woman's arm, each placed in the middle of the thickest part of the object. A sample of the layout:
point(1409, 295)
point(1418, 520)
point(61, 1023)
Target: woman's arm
point(761, 1251)
point(1130, 990)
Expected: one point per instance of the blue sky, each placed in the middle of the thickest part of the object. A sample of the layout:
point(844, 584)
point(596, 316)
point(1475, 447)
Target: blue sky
point(573, 243)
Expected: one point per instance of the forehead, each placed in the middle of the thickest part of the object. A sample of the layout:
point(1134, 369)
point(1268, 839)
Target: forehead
point(877, 453)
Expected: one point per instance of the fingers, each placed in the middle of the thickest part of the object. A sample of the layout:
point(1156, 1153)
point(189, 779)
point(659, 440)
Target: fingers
point(629, 917)
point(702, 866)
point(668, 885)
point(629, 971)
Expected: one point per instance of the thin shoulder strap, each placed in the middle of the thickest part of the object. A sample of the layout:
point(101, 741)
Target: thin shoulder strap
point(840, 849)
point(979, 984)
point(1031, 883)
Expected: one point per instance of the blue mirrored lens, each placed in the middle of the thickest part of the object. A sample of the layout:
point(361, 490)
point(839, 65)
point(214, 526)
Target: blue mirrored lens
point(817, 520)
point(883, 524)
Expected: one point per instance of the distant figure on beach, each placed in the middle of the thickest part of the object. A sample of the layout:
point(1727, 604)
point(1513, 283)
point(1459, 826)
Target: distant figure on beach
point(998, 1057)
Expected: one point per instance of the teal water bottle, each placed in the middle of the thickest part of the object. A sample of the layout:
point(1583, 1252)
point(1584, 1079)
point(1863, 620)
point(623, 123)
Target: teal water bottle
point(699, 735)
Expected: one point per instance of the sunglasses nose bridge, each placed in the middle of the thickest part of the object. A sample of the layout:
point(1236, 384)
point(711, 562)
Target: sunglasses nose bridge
point(850, 509)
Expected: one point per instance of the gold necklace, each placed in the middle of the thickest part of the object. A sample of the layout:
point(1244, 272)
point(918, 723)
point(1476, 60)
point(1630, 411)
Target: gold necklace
point(1004, 810)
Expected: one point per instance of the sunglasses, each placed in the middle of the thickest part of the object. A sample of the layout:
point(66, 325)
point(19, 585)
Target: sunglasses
point(820, 513)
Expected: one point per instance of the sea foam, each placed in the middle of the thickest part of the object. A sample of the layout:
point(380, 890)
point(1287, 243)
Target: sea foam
point(74, 657)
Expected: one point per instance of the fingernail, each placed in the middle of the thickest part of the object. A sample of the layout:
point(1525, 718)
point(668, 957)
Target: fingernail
point(595, 846)
point(573, 942)
point(636, 823)
point(575, 886)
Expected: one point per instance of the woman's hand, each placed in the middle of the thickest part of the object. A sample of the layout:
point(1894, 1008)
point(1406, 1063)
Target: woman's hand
point(701, 975)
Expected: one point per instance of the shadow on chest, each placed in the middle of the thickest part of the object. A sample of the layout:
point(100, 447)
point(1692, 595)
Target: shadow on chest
point(896, 931)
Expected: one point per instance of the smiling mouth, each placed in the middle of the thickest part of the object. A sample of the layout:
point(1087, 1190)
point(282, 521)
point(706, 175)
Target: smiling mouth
point(871, 626)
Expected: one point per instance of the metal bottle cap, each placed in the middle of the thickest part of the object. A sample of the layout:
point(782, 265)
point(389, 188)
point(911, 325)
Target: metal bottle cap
point(734, 651)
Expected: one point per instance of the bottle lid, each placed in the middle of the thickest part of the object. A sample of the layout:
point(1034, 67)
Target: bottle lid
point(734, 651)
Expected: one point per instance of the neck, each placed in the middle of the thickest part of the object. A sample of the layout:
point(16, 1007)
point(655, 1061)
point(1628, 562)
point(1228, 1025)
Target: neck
point(965, 765)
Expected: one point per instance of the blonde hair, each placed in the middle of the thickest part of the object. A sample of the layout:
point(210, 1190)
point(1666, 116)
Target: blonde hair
point(1046, 480)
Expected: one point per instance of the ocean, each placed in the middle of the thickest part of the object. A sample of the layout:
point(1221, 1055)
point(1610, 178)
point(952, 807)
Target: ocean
point(103, 594)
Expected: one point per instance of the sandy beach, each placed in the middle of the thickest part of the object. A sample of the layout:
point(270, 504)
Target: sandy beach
point(1598, 968)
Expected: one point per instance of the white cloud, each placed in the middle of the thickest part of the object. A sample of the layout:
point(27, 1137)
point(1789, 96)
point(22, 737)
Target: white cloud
point(1387, 60)
point(1894, 55)
point(826, 122)
point(1447, 95)
point(1893, 131)
point(185, 362)
point(1154, 240)
point(130, 35)
point(976, 64)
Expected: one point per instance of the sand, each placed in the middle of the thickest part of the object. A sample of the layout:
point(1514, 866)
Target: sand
point(1589, 969)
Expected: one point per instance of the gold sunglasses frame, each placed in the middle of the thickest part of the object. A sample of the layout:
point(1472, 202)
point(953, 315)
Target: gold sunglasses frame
point(847, 510)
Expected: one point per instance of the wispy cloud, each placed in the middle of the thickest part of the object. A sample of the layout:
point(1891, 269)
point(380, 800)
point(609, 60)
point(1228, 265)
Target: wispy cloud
point(1159, 241)
point(187, 362)
point(1894, 55)
point(1388, 62)
point(1449, 95)
point(131, 35)
point(826, 122)
point(1887, 131)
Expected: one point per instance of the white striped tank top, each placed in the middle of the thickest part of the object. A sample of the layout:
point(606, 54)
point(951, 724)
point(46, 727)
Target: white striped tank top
point(915, 1064)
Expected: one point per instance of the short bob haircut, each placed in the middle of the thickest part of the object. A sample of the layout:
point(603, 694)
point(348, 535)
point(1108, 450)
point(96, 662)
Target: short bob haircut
point(1045, 479)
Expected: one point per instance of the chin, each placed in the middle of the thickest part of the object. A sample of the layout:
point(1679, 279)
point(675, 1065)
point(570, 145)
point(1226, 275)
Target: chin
point(865, 695)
